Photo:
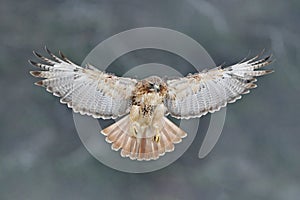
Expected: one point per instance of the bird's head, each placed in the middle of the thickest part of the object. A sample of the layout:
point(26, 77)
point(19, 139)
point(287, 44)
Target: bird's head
point(155, 84)
point(154, 87)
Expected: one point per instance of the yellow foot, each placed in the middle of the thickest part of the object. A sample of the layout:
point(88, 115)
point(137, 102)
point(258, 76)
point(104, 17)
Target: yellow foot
point(156, 138)
point(134, 131)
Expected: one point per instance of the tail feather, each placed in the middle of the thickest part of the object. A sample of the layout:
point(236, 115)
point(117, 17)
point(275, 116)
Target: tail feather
point(174, 129)
point(161, 148)
point(142, 148)
point(128, 142)
point(118, 144)
point(117, 129)
point(133, 153)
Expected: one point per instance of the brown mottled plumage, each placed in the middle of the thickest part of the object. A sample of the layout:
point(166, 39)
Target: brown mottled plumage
point(145, 133)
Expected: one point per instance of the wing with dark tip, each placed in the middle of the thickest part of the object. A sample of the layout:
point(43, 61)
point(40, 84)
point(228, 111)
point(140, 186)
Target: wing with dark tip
point(86, 90)
point(196, 95)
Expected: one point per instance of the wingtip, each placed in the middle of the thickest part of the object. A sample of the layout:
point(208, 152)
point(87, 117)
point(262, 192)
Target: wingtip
point(261, 53)
point(35, 73)
point(245, 59)
point(65, 58)
point(39, 83)
point(37, 54)
point(33, 63)
point(61, 54)
point(48, 51)
point(268, 58)
point(269, 71)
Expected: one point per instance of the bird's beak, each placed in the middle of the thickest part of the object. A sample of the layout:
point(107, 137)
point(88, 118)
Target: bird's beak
point(156, 88)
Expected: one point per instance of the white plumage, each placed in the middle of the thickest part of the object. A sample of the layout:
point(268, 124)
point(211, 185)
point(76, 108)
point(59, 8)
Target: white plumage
point(145, 133)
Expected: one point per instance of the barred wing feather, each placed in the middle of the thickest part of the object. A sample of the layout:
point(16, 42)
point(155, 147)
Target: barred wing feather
point(86, 90)
point(197, 94)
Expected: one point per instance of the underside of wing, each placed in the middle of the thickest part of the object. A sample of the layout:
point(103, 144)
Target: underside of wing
point(86, 90)
point(197, 94)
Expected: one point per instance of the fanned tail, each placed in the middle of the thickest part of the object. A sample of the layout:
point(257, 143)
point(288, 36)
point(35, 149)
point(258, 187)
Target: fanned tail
point(142, 148)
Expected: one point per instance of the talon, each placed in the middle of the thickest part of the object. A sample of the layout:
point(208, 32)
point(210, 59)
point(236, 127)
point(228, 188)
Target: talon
point(134, 131)
point(156, 138)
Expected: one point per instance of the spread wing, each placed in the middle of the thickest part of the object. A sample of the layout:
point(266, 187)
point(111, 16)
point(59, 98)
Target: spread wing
point(196, 95)
point(85, 90)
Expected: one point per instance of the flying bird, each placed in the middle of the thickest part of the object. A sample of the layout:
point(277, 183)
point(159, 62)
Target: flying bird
point(144, 132)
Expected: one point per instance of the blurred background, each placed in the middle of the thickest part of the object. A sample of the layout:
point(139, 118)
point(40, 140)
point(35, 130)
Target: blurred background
point(257, 156)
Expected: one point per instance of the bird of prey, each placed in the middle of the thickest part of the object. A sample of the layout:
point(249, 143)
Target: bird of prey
point(145, 132)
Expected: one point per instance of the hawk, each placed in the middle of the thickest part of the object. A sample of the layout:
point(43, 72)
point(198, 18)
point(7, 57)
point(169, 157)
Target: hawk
point(145, 132)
